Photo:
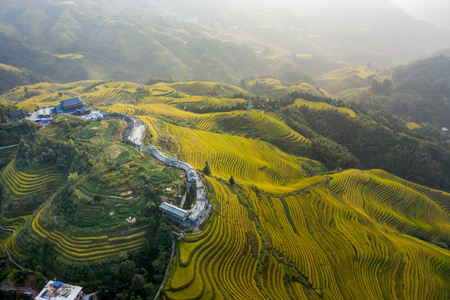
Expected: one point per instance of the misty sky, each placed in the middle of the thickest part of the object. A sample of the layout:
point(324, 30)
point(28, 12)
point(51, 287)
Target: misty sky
point(435, 11)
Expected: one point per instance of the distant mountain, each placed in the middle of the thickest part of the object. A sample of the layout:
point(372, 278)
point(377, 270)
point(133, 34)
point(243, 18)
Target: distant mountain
point(219, 41)
point(42, 65)
point(10, 77)
point(124, 41)
point(349, 31)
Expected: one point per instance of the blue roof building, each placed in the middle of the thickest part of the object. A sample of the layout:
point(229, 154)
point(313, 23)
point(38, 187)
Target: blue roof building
point(173, 212)
point(72, 106)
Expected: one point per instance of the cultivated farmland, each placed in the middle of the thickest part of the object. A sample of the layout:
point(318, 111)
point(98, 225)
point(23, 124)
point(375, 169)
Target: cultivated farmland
point(319, 244)
point(22, 183)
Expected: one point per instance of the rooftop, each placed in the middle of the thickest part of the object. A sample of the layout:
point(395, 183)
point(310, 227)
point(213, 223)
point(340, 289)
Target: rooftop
point(181, 213)
point(16, 113)
point(59, 291)
point(61, 110)
point(71, 101)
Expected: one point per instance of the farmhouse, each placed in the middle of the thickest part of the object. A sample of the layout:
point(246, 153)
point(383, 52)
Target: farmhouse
point(57, 290)
point(173, 212)
point(73, 106)
point(16, 115)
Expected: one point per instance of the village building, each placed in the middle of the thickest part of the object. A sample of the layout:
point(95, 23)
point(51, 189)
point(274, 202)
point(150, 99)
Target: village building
point(16, 115)
point(73, 106)
point(44, 113)
point(173, 212)
point(57, 290)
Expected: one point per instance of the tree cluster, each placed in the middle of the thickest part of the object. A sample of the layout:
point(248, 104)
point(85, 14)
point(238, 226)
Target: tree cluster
point(341, 141)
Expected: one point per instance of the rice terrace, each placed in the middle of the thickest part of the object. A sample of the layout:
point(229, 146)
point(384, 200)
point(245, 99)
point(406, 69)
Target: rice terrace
point(253, 209)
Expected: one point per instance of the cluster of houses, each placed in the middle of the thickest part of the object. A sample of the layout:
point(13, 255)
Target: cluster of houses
point(73, 106)
point(191, 174)
point(197, 214)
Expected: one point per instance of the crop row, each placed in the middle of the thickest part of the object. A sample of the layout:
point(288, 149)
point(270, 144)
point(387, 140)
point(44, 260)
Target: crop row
point(100, 96)
point(266, 125)
point(22, 184)
point(390, 202)
point(91, 247)
point(121, 108)
point(439, 197)
point(217, 263)
point(151, 124)
point(14, 96)
point(157, 100)
point(254, 162)
point(334, 244)
point(337, 241)
point(16, 224)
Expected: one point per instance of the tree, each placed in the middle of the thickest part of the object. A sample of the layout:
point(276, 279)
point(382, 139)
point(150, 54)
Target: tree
point(97, 198)
point(232, 180)
point(137, 282)
point(149, 290)
point(127, 270)
point(18, 276)
point(207, 169)
point(73, 178)
point(332, 154)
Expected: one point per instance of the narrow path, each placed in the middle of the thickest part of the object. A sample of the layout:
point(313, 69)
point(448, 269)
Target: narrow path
point(7, 252)
point(6, 287)
point(201, 209)
point(11, 146)
point(167, 270)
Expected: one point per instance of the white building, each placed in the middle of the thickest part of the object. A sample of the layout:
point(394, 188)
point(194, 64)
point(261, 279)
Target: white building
point(57, 290)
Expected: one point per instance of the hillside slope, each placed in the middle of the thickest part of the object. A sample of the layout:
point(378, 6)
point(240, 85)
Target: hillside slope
point(123, 40)
point(290, 227)
point(345, 237)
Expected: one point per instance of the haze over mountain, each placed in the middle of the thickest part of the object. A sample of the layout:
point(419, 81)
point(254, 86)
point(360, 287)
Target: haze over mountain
point(224, 149)
point(434, 11)
point(349, 31)
point(219, 40)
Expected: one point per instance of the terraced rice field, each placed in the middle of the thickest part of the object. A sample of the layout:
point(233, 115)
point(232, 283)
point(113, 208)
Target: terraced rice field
point(199, 88)
point(16, 224)
point(99, 96)
point(252, 161)
point(22, 183)
point(7, 155)
point(121, 108)
point(264, 125)
point(151, 125)
point(323, 105)
point(13, 96)
point(331, 239)
point(201, 121)
point(89, 247)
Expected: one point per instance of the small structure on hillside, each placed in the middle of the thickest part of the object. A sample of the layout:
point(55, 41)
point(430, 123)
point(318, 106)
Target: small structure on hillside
point(16, 115)
point(57, 290)
point(191, 176)
point(173, 212)
point(44, 113)
point(73, 106)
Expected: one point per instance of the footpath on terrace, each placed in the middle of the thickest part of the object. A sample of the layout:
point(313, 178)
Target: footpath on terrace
point(193, 217)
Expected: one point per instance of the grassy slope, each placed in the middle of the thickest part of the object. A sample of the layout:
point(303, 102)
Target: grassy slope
point(352, 83)
point(323, 105)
